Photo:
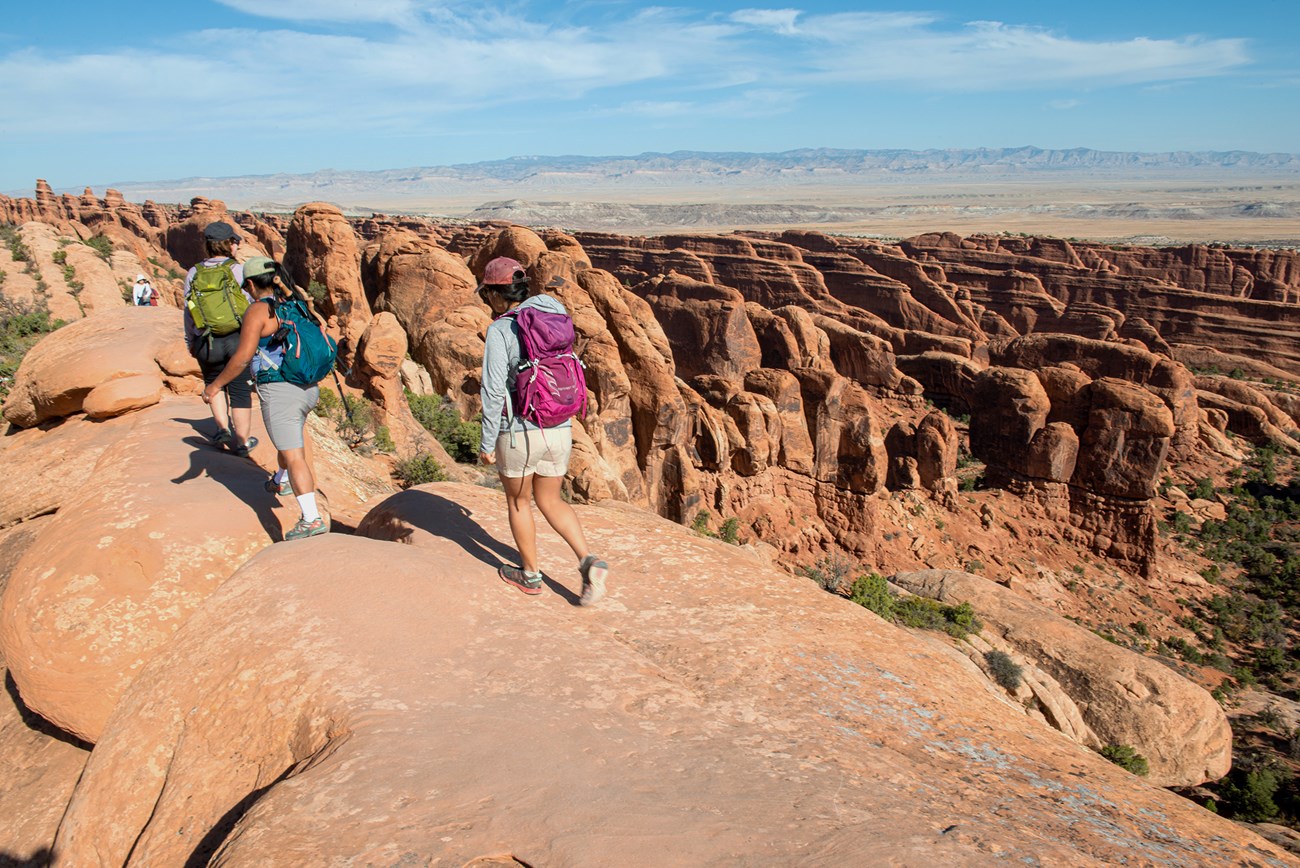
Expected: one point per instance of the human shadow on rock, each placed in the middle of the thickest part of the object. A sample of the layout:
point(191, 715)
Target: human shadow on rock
point(243, 477)
point(438, 516)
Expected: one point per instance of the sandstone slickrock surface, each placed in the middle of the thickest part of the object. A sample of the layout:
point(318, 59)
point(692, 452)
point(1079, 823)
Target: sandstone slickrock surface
point(688, 720)
point(41, 765)
point(1121, 697)
point(129, 555)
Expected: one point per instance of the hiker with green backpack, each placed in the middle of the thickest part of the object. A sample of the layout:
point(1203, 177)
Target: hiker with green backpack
point(289, 354)
point(214, 307)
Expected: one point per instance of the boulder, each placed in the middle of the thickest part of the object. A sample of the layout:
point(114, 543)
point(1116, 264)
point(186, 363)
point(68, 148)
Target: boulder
point(60, 372)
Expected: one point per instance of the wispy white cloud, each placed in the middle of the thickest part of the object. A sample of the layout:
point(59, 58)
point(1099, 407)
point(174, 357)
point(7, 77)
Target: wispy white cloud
point(989, 55)
point(779, 20)
point(437, 58)
point(337, 11)
point(756, 103)
point(1064, 104)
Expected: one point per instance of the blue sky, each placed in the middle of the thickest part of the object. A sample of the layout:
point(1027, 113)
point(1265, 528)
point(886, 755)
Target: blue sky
point(102, 93)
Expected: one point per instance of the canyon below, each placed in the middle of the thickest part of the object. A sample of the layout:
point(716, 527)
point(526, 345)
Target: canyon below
point(952, 521)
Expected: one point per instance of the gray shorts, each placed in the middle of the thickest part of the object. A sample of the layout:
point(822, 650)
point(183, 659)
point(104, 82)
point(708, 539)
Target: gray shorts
point(284, 412)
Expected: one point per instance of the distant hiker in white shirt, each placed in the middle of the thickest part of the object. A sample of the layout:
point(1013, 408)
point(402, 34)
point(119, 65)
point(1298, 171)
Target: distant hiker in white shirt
point(144, 293)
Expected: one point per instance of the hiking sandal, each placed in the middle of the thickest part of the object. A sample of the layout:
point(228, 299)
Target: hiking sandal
point(531, 585)
point(594, 572)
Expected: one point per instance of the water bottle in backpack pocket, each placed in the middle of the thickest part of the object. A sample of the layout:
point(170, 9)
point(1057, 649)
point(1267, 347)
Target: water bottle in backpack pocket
point(299, 352)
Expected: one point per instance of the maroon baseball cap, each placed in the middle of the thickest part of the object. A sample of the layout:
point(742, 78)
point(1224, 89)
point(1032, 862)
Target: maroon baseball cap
point(502, 271)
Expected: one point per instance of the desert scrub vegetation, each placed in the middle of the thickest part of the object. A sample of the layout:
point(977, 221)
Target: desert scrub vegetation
point(21, 326)
point(354, 420)
point(419, 469)
point(1004, 670)
point(871, 591)
point(831, 572)
point(1127, 758)
point(728, 531)
point(18, 251)
point(101, 244)
point(440, 418)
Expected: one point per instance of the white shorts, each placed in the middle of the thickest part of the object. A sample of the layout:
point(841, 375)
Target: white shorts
point(542, 452)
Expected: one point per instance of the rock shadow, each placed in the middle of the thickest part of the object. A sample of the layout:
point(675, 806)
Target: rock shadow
point(440, 517)
point(35, 722)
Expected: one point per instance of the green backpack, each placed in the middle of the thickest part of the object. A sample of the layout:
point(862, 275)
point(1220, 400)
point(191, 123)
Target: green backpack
point(216, 302)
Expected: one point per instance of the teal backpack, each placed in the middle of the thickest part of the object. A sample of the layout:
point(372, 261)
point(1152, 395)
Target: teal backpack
point(299, 352)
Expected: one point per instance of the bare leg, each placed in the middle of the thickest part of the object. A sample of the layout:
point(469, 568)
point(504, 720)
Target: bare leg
point(242, 420)
point(307, 451)
point(300, 475)
point(519, 492)
point(559, 515)
point(221, 410)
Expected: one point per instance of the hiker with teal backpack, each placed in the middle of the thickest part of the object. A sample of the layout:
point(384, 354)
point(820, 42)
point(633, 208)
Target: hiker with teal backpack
point(289, 354)
point(533, 385)
point(214, 306)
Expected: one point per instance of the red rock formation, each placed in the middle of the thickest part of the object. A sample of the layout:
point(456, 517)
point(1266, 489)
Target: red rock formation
point(323, 251)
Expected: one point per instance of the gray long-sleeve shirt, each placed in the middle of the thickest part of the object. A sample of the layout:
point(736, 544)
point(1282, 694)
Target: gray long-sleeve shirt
point(501, 356)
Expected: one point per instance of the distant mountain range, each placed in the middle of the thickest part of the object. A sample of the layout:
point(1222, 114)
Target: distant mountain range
point(655, 176)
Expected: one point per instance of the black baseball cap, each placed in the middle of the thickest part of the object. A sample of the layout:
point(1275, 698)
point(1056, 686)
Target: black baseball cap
point(220, 231)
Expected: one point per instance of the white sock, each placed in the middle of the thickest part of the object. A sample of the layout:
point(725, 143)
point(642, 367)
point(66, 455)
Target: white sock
point(280, 476)
point(307, 503)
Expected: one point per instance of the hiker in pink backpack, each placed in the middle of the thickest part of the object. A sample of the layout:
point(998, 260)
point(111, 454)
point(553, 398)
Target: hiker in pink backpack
point(533, 385)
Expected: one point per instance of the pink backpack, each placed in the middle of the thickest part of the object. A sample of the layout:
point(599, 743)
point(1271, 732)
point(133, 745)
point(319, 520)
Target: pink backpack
point(550, 385)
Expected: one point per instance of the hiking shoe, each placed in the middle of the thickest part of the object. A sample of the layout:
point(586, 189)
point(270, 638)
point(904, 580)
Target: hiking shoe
point(284, 489)
point(246, 447)
point(304, 529)
point(530, 585)
point(593, 571)
point(222, 438)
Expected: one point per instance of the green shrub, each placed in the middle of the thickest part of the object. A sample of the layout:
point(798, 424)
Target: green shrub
point(318, 291)
point(440, 418)
point(328, 404)
point(926, 614)
point(1004, 670)
point(384, 439)
point(730, 531)
point(19, 251)
point(872, 592)
point(60, 257)
point(1127, 758)
point(1203, 489)
point(1250, 794)
point(356, 418)
point(419, 469)
point(21, 327)
point(700, 524)
point(101, 245)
